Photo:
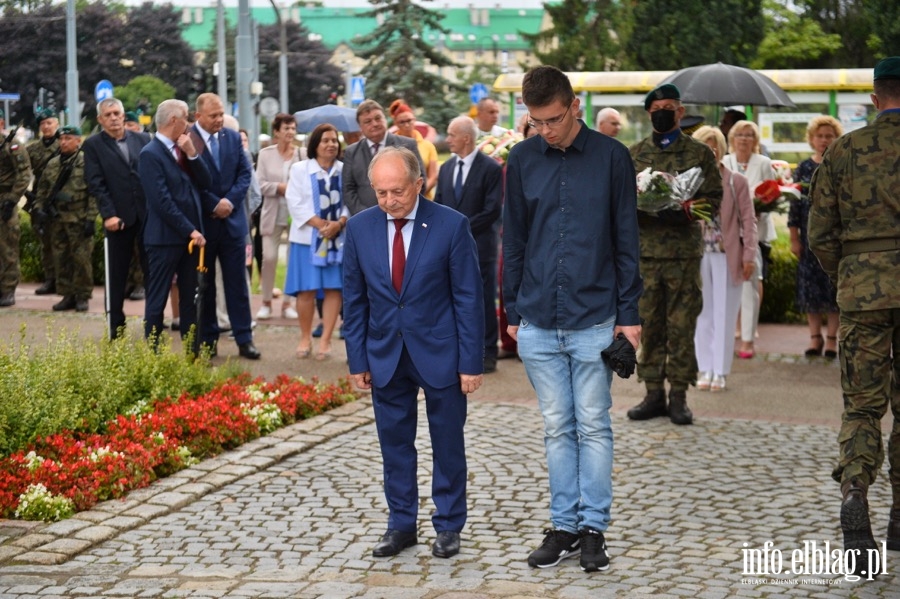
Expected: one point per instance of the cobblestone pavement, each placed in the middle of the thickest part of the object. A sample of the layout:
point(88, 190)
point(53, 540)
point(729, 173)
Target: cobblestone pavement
point(296, 515)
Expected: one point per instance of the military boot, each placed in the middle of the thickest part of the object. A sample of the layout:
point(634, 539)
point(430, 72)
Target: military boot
point(8, 299)
point(679, 413)
point(47, 288)
point(855, 522)
point(66, 303)
point(653, 406)
point(893, 532)
point(81, 305)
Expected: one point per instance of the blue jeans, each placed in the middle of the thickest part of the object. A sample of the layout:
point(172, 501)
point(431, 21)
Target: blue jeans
point(572, 384)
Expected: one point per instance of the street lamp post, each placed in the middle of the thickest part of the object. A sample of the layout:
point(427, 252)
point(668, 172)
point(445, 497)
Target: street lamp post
point(282, 60)
point(72, 102)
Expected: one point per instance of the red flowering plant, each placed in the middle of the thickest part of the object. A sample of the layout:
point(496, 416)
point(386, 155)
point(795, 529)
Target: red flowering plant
point(70, 471)
point(772, 195)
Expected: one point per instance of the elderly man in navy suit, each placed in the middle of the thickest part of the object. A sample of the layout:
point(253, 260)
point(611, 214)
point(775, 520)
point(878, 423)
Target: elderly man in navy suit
point(171, 176)
point(226, 225)
point(471, 183)
point(412, 319)
point(111, 173)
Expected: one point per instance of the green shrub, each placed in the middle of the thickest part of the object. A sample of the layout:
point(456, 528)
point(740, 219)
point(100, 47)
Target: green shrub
point(70, 383)
point(30, 252)
point(780, 286)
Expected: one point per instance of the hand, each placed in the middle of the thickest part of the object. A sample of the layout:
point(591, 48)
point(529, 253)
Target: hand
point(223, 209)
point(198, 238)
point(632, 333)
point(469, 383)
point(362, 380)
point(113, 223)
point(749, 267)
point(796, 247)
point(186, 144)
point(513, 331)
point(329, 230)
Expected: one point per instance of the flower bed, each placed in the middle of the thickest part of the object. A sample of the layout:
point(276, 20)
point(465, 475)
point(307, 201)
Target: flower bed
point(66, 472)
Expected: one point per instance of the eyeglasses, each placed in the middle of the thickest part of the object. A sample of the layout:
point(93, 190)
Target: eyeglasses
point(550, 123)
point(405, 122)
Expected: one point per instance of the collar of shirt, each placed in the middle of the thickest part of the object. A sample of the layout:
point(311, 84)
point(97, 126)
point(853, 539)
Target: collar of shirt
point(381, 144)
point(406, 232)
point(578, 143)
point(204, 134)
point(662, 140)
point(889, 111)
point(166, 142)
point(466, 161)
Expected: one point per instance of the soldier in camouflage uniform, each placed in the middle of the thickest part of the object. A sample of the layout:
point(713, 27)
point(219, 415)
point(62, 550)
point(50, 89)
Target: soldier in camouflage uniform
point(671, 249)
point(854, 231)
point(15, 174)
point(40, 151)
point(71, 216)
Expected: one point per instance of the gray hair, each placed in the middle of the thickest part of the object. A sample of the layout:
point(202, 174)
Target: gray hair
point(467, 125)
point(168, 109)
point(409, 160)
point(110, 102)
point(604, 114)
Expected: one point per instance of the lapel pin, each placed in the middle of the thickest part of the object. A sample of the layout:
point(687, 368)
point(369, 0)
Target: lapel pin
point(424, 225)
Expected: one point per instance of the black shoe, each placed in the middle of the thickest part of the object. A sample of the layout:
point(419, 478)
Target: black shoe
point(446, 544)
point(138, 294)
point(594, 557)
point(679, 413)
point(8, 299)
point(317, 332)
point(653, 406)
point(393, 542)
point(81, 305)
point(176, 324)
point(47, 288)
point(855, 524)
point(249, 351)
point(490, 364)
point(557, 546)
point(66, 303)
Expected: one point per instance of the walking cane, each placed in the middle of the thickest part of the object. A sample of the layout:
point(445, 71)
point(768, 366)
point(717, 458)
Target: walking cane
point(198, 296)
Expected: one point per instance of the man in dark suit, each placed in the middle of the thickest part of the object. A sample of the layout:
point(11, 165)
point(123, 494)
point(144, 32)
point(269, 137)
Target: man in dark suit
point(111, 171)
point(172, 175)
point(226, 225)
point(358, 194)
point(412, 319)
point(471, 183)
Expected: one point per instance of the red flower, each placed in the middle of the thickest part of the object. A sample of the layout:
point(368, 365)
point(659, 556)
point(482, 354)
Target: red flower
point(768, 191)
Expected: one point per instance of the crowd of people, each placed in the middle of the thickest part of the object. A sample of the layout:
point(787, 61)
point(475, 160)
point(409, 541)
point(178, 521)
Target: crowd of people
point(406, 252)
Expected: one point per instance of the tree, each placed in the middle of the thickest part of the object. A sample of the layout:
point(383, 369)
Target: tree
point(144, 93)
point(792, 41)
point(398, 58)
point(153, 41)
point(582, 36)
point(669, 35)
point(884, 17)
point(480, 72)
point(853, 23)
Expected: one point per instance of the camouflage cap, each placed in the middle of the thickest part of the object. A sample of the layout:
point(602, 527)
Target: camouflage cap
point(70, 130)
point(888, 68)
point(131, 117)
point(47, 113)
point(666, 91)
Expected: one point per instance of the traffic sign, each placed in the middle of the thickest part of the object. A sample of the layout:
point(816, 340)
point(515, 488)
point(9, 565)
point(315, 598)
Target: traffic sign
point(268, 107)
point(103, 90)
point(357, 90)
point(6, 97)
point(478, 92)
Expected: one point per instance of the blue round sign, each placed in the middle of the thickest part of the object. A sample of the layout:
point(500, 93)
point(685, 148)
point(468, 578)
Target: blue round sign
point(478, 92)
point(103, 90)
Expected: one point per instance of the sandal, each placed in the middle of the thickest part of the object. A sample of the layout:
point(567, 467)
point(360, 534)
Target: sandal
point(816, 348)
point(831, 354)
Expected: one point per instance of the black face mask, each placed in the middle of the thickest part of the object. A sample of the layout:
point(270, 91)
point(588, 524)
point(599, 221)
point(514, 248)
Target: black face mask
point(663, 120)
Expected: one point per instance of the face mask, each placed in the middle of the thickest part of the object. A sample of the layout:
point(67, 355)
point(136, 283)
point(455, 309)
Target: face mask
point(663, 120)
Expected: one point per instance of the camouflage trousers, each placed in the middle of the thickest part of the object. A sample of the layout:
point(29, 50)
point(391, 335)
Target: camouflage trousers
point(47, 262)
point(9, 254)
point(72, 256)
point(870, 380)
point(669, 308)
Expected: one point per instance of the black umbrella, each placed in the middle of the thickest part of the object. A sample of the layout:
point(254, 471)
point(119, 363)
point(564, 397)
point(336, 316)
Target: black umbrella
point(198, 296)
point(725, 85)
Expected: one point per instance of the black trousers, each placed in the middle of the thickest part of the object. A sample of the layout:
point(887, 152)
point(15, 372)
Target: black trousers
point(120, 249)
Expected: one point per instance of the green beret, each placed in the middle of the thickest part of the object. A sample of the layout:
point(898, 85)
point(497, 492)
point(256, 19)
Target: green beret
point(131, 117)
point(667, 91)
point(47, 113)
point(889, 68)
point(70, 130)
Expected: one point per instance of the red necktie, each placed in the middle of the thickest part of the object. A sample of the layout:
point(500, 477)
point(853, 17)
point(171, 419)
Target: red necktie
point(398, 260)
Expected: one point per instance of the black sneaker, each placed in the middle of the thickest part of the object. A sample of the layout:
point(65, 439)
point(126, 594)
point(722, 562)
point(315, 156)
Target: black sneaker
point(557, 546)
point(594, 556)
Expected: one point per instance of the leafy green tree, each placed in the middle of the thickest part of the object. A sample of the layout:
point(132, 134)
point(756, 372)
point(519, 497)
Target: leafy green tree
point(152, 40)
point(144, 93)
point(668, 35)
point(884, 17)
point(792, 41)
point(582, 36)
point(851, 20)
point(398, 60)
point(480, 72)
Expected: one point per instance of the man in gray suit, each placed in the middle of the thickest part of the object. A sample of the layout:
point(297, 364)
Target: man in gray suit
point(358, 193)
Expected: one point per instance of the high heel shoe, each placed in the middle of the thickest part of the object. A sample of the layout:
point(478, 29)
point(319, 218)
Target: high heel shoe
point(815, 348)
point(323, 355)
point(831, 354)
point(303, 353)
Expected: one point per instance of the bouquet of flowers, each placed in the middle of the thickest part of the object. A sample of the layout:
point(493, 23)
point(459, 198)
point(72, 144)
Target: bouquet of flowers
point(498, 147)
point(658, 191)
point(772, 194)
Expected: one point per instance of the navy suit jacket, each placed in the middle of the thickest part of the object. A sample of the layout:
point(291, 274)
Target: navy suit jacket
point(481, 201)
point(113, 180)
point(438, 314)
point(173, 196)
point(230, 180)
point(358, 192)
